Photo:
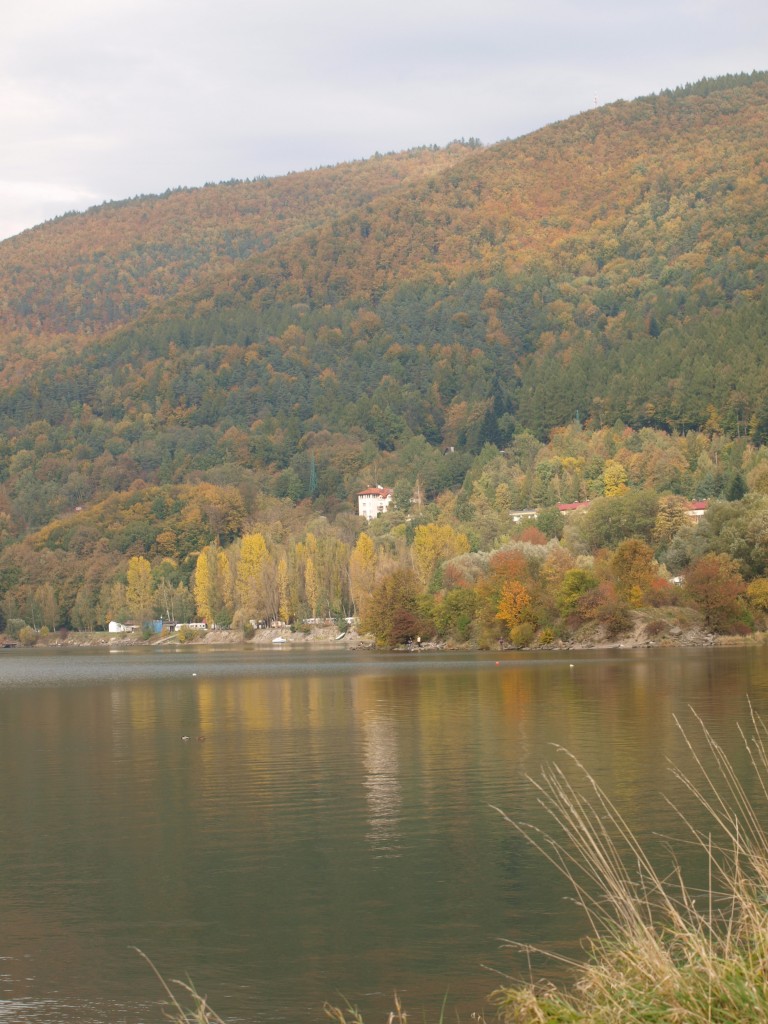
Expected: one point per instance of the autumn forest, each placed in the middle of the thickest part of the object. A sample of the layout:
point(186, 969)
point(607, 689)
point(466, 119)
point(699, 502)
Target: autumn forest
point(194, 387)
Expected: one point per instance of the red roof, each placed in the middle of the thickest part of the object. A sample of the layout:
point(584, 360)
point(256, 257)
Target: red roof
point(375, 492)
point(574, 506)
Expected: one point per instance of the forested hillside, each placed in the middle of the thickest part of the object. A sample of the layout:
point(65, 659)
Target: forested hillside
point(270, 347)
point(82, 274)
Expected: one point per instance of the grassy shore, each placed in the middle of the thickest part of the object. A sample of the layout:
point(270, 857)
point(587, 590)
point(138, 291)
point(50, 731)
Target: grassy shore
point(661, 952)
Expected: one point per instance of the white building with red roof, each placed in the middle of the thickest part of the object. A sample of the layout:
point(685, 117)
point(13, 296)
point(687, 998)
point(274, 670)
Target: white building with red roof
point(695, 510)
point(573, 506)
point(373, 501)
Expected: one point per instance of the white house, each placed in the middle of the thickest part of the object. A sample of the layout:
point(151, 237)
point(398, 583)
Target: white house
point(373, 501)
point(118, 627)
point(524, 513)
point(696, 510)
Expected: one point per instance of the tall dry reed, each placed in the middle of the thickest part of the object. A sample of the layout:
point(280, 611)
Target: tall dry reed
point(660, 951)
point(197, 1012)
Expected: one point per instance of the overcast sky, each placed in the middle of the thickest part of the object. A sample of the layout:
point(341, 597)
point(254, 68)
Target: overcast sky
point(105, 99)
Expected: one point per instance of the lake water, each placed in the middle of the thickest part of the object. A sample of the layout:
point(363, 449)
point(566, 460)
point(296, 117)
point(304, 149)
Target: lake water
point(334, 833)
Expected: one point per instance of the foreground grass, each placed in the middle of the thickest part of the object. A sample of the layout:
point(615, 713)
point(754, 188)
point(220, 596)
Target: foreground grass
point(196, 1012)
point(660, 953)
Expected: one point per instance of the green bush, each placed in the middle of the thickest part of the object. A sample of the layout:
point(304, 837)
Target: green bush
point(522, 634)
point(454, 614)
point(575, 585)
point(185, 635)
point(28, 636)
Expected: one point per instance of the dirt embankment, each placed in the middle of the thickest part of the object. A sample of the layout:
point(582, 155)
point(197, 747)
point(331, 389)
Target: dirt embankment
point(329, 635)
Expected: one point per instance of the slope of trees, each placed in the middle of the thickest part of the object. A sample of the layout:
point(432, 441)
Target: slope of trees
point(226, 551)
point(80, 275)
point(548, 319)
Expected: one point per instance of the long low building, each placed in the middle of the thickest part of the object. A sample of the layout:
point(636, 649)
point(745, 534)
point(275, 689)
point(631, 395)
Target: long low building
point(693, 509)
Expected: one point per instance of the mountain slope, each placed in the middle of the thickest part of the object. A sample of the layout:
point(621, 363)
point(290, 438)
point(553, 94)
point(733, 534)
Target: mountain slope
point(612, 265)
point(82, 274)
point(546, 256)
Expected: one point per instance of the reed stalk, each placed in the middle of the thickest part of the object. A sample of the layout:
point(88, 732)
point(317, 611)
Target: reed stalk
point(197, 1012)
point(659, 952)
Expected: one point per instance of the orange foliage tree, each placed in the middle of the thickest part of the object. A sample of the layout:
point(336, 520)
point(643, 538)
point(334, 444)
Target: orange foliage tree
point(514, 605)
point(716, 587)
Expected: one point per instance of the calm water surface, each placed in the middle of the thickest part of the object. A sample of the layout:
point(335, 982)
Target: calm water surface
point(333, 833)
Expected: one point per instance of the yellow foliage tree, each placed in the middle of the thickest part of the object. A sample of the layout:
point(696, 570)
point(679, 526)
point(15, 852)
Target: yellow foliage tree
point(139, 589)
point(634, 570)
point(310, 585)
point(757, 593)
point(202, 585)
point(46, 605)
point(249, 579)
point(284, 590)
point(433, 544)
point(614, 478)
point(213, 586)
point(362, 571)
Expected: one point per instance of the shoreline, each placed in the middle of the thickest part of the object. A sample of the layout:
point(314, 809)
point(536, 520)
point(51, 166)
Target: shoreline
point(674, 636)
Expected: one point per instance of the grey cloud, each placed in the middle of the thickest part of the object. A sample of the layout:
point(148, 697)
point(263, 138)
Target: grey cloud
point(117, 99)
